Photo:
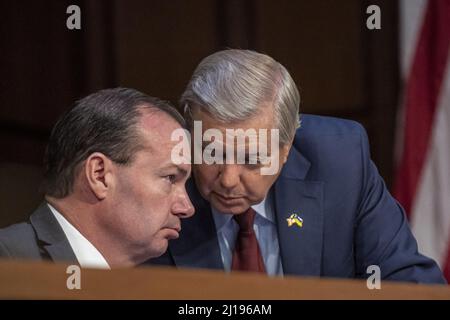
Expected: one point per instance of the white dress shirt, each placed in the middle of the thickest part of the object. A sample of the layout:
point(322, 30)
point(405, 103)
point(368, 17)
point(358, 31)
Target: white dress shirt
point(87, 255)
point(265, 230)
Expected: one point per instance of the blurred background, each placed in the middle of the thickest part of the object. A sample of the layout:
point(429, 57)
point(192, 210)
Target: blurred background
point(341, 67)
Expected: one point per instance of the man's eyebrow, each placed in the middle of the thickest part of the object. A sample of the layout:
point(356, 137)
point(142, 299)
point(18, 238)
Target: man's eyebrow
point(184, 172)
point(180, 170)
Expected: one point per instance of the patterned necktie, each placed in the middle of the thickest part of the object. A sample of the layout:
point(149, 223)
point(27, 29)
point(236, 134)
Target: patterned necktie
point(247, 255)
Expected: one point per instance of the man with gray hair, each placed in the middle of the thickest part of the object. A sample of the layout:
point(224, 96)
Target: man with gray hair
point(325, 211)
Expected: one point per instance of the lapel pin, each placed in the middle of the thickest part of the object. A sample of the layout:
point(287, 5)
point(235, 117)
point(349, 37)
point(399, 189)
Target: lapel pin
point(294, 219)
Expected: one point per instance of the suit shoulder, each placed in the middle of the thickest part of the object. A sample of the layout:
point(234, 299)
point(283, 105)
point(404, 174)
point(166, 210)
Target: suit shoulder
point(16, 230)
point(323, 125)
point(332, 145)
point(13, 237)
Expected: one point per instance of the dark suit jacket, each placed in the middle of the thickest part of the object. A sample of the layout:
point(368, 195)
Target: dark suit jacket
point(40, 238)
point(350, 221)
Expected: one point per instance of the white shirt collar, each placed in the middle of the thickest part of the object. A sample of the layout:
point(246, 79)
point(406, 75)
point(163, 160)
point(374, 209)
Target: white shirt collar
point(87, 255)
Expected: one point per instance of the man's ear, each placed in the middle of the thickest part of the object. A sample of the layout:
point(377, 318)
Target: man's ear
point(98, 171)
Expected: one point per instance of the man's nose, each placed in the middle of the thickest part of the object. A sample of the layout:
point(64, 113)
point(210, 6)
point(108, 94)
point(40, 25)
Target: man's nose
point(183, 207)
point(229, 176)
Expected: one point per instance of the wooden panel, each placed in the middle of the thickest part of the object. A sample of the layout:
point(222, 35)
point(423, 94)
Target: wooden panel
point(45, 67)
point(19, 195)
point(48, 281)
point(159, 43)
point(381, 66)
point(320, 44)
point(39, 78)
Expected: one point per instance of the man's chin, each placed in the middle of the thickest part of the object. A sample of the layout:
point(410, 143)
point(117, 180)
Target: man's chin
point(236, 208)
point(159, 247)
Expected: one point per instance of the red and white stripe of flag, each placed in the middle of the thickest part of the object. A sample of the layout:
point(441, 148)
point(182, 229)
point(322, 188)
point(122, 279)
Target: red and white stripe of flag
point(422, 183)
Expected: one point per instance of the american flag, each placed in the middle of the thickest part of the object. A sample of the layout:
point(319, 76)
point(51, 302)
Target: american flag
point(422, 183)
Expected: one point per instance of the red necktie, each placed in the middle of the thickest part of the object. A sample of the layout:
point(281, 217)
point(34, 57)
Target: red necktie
point(247, 255)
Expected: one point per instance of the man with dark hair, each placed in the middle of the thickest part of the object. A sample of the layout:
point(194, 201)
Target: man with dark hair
point(113, 196)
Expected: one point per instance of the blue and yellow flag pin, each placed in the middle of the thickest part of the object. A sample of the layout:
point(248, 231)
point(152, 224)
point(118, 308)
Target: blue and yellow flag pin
point(295, 219)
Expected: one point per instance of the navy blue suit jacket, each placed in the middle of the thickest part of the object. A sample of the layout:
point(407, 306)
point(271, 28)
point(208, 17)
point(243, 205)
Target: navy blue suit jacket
point(350, 221)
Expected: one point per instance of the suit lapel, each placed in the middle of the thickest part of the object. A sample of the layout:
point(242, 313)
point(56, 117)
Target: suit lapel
point(197, 246)
point(51, 235)
point(300, 247)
